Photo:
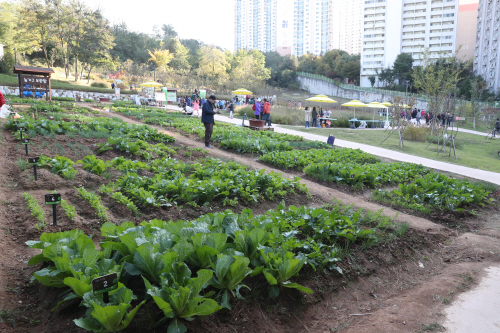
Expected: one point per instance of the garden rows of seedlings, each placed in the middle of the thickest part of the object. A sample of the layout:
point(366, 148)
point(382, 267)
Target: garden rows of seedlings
point(184, 268)
point(174, 271)
point(419, 188)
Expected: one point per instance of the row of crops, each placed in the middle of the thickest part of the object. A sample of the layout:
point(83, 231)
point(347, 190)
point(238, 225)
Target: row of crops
point(228, 136)
point(419, 188)
point(186, 269)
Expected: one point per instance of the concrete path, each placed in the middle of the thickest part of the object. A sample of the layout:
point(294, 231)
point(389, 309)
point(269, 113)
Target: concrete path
point(488, 176)
point(477, 310)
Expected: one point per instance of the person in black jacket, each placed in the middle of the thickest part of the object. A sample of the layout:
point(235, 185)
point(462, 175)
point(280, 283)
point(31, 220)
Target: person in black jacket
point(497, 127)
point(314, 117)
point(207, 118)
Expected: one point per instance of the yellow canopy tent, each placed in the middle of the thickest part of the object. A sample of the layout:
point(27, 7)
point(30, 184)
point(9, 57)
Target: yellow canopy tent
point(242, 91)
point(150, 84)
point(355, 104)
point(321, 99)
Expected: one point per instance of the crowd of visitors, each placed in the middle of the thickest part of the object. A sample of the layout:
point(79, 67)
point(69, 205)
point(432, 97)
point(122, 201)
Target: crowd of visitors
point(422, 117)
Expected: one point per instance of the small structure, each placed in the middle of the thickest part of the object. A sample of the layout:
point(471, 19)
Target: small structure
point(34, 81)
point(171, 94)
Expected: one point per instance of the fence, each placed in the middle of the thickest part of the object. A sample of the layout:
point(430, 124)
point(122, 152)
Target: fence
point(382, 91)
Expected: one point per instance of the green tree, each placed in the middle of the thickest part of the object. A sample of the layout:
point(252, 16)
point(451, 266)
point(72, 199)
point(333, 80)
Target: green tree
point(372, 80)
point(477, 88)
point(437, 77)
point(402, 68)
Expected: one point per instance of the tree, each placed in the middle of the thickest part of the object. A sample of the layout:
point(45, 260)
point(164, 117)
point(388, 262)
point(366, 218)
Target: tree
point(372, 79)
point(36, 20)
point(213, 64)
point(437, 77)
point(161, 58)
point(478, 87)
point(249, 67)
point(181, 55)
point(402, 68)
point(168, 31)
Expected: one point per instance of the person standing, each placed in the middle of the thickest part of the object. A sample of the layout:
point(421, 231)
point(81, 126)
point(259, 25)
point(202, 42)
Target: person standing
point(497, 127)
point(314, 117)
point(112, 85)
point(321, 115)
point(266, 115)
point(207, 118)
point(308, 117)
point(419, 115)
point(196, 107)
point(231, 109)
point(257, 109)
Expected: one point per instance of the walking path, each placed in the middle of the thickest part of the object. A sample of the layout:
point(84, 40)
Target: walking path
point(488, 176)
point(477, 310)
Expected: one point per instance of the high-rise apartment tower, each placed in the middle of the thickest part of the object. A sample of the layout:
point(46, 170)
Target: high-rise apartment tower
point(487, 51)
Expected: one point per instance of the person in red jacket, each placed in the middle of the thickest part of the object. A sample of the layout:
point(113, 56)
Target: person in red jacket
point(2, 99)
point(266, 115)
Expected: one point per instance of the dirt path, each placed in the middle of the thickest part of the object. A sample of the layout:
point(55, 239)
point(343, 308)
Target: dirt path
point(323, 193)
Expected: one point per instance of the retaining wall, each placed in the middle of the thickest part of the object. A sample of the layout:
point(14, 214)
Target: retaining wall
point(321, 87)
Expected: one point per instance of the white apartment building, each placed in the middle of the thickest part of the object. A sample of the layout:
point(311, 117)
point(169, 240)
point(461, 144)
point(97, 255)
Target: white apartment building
point(255, 25)
point(298, 26)
point(311, 22)
point(487, 51)
point(391, 27)
point(346, 25)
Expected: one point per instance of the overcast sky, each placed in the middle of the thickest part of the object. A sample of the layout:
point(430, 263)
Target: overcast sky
point(211, 22)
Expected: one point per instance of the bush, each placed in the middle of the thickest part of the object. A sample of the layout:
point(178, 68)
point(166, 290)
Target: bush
point(7, 62)
point(99, 85)
point(342, 123)
point(415, 133)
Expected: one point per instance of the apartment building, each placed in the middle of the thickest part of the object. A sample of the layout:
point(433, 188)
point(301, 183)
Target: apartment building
point(255, 25)
point(311, 21)
point(487, 49)
point(298, 26)
point(466, 35)
point(391, 27)
point(346, 25)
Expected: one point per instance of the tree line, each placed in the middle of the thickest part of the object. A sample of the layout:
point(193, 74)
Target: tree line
point(70, 35)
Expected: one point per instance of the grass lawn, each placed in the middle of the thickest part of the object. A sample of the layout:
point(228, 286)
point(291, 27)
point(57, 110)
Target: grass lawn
point(473, 151)
point(10, 80)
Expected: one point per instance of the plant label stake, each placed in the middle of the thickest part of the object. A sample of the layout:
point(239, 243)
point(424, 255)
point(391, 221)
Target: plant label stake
point(53, 199)
point(21, 130)
point(34, 161)
point(104, 284)
point(25, 143)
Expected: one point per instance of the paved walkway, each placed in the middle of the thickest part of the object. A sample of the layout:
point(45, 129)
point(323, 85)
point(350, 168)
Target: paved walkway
point(488, 176)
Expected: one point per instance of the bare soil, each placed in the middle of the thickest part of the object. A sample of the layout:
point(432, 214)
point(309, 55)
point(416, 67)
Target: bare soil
point(398, 286)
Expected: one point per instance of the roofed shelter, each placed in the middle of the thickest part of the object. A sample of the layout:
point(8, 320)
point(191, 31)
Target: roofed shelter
point(34, 81)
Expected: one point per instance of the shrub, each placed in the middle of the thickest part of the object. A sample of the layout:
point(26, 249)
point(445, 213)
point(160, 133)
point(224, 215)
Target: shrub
point(342, 123)
point(99, 85)
point(415, 133)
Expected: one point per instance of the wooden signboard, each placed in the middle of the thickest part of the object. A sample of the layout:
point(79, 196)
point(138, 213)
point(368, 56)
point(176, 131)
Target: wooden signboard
point(33, 80)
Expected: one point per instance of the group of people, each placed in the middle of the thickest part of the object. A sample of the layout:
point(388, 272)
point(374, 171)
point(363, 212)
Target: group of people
point(416, 115)
point(312, 116)
point(262, 110)
point(295, 104)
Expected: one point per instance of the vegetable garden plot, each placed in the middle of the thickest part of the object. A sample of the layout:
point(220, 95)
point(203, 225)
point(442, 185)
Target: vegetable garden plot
point(196, 268)
point(229, 136)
